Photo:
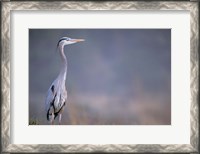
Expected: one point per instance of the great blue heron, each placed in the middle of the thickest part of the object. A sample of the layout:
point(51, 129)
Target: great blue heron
point(57, 94)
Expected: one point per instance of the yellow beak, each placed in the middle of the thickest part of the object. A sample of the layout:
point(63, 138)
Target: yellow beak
point(78, 40)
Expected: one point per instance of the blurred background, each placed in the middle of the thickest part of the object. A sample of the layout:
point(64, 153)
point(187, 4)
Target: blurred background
point(115, 77)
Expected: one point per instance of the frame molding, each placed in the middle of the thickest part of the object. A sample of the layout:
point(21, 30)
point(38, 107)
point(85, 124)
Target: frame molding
point(8, 7)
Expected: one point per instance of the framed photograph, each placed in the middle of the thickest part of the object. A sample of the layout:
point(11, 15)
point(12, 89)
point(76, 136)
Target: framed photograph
point(108, 76)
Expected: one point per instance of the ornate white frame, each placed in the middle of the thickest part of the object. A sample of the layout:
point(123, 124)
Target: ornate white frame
point(8, 6)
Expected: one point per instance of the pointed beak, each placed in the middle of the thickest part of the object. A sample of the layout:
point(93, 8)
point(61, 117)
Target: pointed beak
point(77, 40)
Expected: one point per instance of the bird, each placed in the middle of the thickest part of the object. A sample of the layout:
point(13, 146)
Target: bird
point(57, 94)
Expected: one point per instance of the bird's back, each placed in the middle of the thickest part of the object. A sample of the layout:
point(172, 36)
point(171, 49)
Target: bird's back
point(56, 96)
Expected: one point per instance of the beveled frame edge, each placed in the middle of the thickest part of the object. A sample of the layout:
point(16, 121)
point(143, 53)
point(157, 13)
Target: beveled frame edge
point(7, 7)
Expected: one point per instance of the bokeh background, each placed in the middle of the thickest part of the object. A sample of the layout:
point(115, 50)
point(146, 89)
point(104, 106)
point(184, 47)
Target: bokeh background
point(115, 77)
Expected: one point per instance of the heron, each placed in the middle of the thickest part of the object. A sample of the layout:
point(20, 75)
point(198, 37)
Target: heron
point(57, 94)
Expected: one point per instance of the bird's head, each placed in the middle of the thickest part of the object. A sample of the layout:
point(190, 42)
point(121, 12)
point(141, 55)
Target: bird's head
point(66, 41)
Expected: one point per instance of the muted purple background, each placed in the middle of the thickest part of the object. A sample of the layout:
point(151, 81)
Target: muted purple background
point(117, 76)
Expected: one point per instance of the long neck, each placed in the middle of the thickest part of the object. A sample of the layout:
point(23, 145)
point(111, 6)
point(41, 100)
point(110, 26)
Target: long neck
point(64, 61)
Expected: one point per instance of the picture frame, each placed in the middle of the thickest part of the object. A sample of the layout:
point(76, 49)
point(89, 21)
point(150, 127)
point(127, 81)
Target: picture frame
point(6, 90)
